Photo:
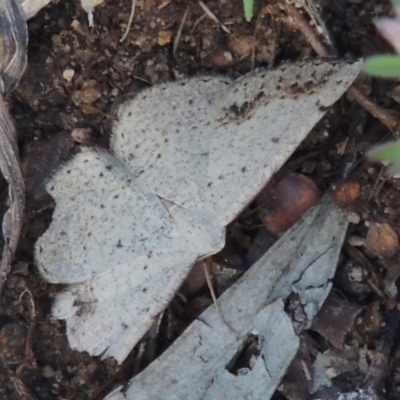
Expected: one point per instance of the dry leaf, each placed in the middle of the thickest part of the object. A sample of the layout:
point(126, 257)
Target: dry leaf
point(13, 44)
point(164, 37)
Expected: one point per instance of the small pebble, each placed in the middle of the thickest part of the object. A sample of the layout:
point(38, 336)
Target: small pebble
point(68, 74)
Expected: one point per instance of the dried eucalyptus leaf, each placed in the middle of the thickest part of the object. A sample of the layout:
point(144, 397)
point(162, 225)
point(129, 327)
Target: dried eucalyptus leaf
point(13, 45)
point(13, 55)
point(196, 366)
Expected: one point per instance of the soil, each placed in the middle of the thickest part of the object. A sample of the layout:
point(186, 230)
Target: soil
point(75, 79)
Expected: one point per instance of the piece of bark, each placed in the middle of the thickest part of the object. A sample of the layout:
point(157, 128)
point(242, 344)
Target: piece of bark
point(195, 366)
point(336, 319)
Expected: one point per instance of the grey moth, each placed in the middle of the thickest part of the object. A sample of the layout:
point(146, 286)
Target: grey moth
point(185, 158)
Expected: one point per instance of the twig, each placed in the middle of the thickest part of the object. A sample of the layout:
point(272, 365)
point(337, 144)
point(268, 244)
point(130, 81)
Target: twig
point(197, 22)
point(369, 273)
point(308, 31)
point(179, 32)
point(20, 387)
point(257, 26)
point(388, 118)
point(380, 365)
point(313, 10)
point(128, 27)
point(378, 184)
point(213, 17)
point(28, 342)
point(207, 267)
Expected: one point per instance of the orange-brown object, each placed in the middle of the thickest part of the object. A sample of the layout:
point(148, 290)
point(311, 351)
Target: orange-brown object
point(347, 195)
point(242, 46)
point(285, 203)
point(164, 37)
point(87, 95)
point(382, 240)
point(220, 58)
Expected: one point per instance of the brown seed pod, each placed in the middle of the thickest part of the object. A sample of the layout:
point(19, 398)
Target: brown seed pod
point(284, 203)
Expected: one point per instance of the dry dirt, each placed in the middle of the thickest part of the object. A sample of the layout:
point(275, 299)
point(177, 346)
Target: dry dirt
point(55, 113)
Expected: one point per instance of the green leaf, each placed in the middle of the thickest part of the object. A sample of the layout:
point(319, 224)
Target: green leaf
point(248, 6)
point(383, 66)
point(388, 154)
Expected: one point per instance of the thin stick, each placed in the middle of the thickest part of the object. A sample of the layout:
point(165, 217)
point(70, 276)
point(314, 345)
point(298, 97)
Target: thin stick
point(206, 266)
point(213, 17)
point(128, 27)
point(180, 28)
point(308, 31)
point(17, 380)
point(376, 188)
point(388, 118)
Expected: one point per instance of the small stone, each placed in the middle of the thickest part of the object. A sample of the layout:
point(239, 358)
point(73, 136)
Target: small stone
point(353, 218)
point(68, 74)
point(82, 135)
point(48, 372)
point(90, 94)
